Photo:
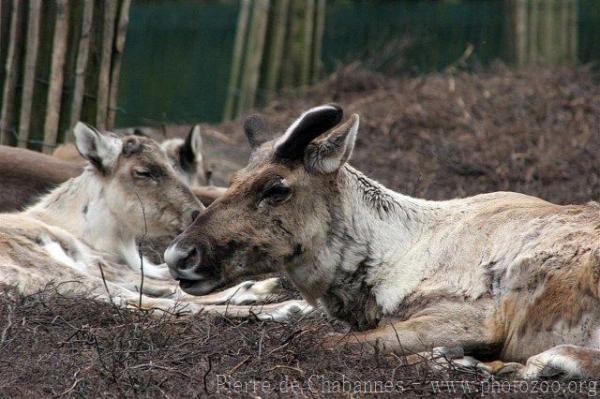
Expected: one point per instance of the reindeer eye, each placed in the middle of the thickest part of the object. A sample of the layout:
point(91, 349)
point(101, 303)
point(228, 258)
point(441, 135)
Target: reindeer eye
point(277, 193)
point(142, 174)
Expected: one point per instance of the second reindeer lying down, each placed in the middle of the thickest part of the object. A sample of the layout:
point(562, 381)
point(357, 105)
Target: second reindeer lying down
point(501, 275)
point(26, 175)
point(81, 235)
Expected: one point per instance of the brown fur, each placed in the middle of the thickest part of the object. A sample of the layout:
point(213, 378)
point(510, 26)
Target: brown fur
point(25, 175)
point(501, 274)
point(67, 152)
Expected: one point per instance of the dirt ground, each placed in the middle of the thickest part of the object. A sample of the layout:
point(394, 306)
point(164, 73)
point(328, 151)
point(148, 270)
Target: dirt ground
point(437, 136)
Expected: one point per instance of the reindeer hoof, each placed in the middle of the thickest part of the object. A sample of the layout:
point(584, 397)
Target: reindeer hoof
point(555, 362)
point(286, 311)
point(498, 367)
point(269, 286)
point(251, 291)
point(448, 352)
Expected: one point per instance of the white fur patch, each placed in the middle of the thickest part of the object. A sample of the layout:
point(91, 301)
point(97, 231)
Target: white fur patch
point(173, 254)
point(549, 364)
point(57, 252)
point(132, 257)
point(156, 271)
point(251, 292)
point(285, 311)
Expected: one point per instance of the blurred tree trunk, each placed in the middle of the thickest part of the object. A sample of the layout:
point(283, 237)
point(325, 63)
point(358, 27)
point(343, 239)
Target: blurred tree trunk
point(542, 32)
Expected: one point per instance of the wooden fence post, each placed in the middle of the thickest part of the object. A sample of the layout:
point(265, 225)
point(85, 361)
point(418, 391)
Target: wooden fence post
point(59, 46)
point(116, 62)
point(278, 32)
point(318, 41)
point(539, 32)
point(571, 6)
point(81, 63)
point(108, 31)
point(11, 74)
point(61, 63)
point(256, 45)
point(309, 22)
point(236, 61)
point(31, 54)
point(281, 48)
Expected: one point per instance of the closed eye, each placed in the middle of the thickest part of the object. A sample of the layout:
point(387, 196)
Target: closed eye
point(277, 192)
point(149, 172)
point(142, 174)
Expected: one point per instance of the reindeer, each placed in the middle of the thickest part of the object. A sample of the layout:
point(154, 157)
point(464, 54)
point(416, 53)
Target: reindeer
point(82, 235)
point(186, 156)
point(26, 175)
point(501, 275)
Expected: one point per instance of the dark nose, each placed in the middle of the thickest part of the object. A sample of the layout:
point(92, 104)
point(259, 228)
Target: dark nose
point(183, 260)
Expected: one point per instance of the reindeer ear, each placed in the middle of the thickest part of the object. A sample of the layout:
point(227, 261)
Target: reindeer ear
point(138, 132)
point(311, 124)
point(195, 140)
point(256, 130)
point(328, 154)
point(191, 150)
point(100, 149)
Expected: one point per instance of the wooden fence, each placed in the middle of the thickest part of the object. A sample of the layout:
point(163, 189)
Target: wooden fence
point(277, 44)
point(60, 62)
point(542, 32)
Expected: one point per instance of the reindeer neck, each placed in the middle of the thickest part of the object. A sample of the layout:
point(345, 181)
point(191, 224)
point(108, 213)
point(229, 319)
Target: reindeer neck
point(379, 206)
point(370, 230)
point(80, 207)
point(378, 221)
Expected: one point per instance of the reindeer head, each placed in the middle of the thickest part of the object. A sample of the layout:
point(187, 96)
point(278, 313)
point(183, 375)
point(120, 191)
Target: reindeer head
point(278, 210)
point(139, 185)
point(187, 158)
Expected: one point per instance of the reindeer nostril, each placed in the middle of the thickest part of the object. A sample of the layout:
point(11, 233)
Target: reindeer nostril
point(195, 215)
point(191, 260)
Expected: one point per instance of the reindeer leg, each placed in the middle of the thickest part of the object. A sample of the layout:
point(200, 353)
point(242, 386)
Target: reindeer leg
point(245, 293)
point(567, 361)
point(282, 311)
point(158, 290)
point(156, 271)
point(437, 341)
point(449, 327)
point(422, 333)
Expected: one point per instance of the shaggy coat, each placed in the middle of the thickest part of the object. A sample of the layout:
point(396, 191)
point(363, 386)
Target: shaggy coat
point(81, 237)
point(500, 275)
